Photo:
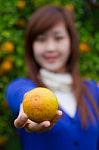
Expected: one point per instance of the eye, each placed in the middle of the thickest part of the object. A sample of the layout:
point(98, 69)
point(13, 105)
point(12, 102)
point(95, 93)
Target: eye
point(41, 38)
point(58, 38)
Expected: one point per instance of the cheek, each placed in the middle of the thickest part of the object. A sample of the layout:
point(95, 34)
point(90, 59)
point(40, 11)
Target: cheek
point(65, 44)
point(35, 47)
point(65, 53)
point(38, 48)
point(36, 52)
point(65, 49)
point(37, 56)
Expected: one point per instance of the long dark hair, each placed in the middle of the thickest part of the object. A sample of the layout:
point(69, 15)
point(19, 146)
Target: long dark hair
point(42, 20)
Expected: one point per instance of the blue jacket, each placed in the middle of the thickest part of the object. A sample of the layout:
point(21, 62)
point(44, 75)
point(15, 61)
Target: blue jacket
point(67, 134)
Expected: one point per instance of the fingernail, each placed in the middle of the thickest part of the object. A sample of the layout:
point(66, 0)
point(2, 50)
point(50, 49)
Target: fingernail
point(47, 124)
point(59, 112)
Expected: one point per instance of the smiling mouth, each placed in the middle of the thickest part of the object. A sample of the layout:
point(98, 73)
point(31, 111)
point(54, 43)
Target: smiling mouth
point(50, 59)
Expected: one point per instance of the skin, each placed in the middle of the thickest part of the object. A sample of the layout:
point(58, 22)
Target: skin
point(30, 126)
point(51, 51)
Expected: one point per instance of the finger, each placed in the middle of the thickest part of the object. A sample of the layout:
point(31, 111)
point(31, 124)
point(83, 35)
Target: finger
point(56, 118)
point(33, 126)
point(21, 120)
point(25, 95)
point(21, 109)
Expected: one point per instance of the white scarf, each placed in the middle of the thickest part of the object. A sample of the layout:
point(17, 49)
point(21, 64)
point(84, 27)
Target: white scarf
point(61, 84)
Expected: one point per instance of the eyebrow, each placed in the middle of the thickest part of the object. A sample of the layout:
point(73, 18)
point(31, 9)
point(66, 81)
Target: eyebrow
point(53, 32)
point(58, 33)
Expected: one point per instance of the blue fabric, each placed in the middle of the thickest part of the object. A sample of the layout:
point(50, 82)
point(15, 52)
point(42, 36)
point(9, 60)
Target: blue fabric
point(67, 134)
point(15, 92)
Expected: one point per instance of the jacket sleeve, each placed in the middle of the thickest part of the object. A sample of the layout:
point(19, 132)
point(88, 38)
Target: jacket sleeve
point(96, 89)
point(97, 92)
point(15, 91)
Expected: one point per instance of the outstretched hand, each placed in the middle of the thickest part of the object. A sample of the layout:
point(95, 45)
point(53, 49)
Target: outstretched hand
point(22, 121)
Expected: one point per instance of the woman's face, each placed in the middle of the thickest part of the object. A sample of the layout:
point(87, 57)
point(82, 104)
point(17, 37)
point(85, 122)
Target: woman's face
point(52, 49)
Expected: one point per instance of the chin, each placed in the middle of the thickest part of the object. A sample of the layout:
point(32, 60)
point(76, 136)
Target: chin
point(53, 70)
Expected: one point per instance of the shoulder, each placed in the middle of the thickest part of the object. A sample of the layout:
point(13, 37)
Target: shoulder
point(22, 81)
point(91, 84)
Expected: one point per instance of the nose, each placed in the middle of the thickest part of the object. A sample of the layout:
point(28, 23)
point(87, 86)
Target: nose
point(50, 45)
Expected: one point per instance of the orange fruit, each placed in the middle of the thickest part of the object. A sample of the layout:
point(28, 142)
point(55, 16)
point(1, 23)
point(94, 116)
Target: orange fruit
point(7, 65)
point(21, 4)
point(40, 104)
point(8, 47)
point(84, 47)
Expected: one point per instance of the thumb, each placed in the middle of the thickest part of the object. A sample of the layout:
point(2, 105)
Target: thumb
point(56, 118)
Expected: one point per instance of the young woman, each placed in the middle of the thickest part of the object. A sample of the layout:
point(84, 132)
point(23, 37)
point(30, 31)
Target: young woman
point(52, 60)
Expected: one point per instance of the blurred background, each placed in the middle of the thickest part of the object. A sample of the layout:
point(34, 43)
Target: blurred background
point(14, 15)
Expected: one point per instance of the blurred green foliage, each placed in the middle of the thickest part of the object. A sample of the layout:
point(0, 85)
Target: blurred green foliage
point(14, 15)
